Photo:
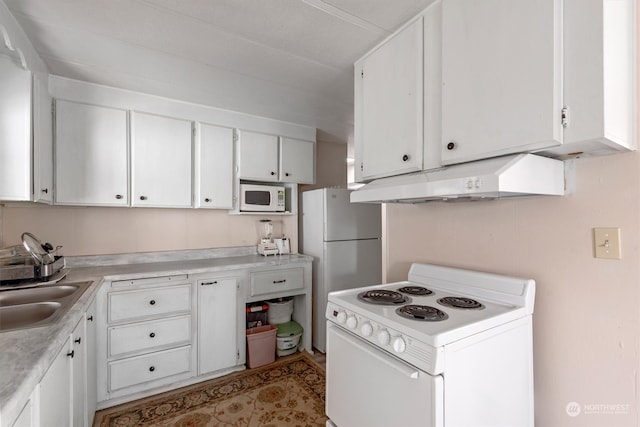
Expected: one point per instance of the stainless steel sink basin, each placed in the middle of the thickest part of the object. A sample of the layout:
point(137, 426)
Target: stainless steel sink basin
point(19, 316)
point(37, 306)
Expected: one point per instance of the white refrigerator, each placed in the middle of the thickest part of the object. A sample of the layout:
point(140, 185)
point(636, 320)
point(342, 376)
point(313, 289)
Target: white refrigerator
point(344, 240)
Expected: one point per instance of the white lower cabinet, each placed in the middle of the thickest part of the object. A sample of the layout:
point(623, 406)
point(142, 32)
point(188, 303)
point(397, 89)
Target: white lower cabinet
point(55, 390)
point(217, 324)
point(146, 335)
point(149, 368)
point(67, 394)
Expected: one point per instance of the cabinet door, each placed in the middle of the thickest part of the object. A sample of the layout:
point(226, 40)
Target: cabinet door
point(214, 163)
point(258, 156)
point(91, 363)
point(91, 155)
point(42, 141)
point(78, 374)
point(161, 161)
point(391, 105)
point(297, 161)
point(501, 77)
point(217, 327)
point(55, 390)
point(15, 131)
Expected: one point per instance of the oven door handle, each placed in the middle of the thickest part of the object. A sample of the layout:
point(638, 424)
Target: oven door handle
point(402, 368)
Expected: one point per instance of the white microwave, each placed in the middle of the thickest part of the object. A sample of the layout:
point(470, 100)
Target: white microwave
point(262, 198)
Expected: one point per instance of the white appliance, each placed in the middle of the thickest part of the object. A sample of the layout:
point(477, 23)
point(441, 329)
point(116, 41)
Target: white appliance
point(507, 176)
point(344, 240)
point(400, 355)
point(262, 198)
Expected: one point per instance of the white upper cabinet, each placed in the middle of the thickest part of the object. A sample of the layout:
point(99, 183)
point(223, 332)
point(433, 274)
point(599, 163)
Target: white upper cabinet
point(42, 140)
point(269, 158)
point(297, 161)
point(599, 77)
point(161, 156)
point(389, 105)
point(257, 156)
point(501, 77)
point(15, 130)
point(91, 155)
point(214, 167)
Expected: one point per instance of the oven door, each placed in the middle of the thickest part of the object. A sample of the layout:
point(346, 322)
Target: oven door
point(368, 387)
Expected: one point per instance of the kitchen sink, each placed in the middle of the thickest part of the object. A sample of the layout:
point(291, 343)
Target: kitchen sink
point(37, 306)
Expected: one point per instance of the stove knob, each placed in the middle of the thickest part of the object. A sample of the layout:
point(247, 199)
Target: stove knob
point(342, 317)
point(384, 338)
point(352, 322)
point(366, 329)
point(399, 345)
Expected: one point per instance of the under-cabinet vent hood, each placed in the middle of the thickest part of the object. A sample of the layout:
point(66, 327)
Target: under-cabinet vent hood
point(507, 176)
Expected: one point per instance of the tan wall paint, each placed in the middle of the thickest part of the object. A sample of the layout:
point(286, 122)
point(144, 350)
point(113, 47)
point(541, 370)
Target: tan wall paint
point(94, 231)
point(587, 312)
point(331, 165)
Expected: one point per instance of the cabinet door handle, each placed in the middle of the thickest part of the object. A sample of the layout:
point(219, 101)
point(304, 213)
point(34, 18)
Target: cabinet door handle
point(78, 340)
point(152, 368)
point(90, 318)
point(152, 335)
point(215, 282)
point(45, 190)
point(71, 354)
point(143, 197)
point(152, 302)
point(272, 173)
point(280, 281)
point(207, 200)
point(451, 145)
point(286, 174)
point(405, 157)
point(119, 196)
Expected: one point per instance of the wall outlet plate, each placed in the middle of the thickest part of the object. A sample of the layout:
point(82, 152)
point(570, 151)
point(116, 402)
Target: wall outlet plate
point(606, 243)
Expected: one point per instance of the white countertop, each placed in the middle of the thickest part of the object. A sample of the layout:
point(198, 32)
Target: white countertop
point(26, 354)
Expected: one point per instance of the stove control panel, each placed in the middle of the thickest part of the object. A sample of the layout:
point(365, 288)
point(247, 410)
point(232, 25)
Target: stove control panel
point(403, 346)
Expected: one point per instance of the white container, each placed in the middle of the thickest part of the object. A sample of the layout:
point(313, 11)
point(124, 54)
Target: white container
point(287, 345)
point(279, 311)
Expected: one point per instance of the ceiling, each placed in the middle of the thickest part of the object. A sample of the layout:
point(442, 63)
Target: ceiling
point(290, 60)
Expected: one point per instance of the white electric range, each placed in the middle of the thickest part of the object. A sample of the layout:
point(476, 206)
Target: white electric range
point(448, 347)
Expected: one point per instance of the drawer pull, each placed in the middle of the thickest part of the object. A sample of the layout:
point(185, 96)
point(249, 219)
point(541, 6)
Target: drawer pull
point(152, 368)
point(280, 281)
point(215, 282)
point(71, 354)
point(78, 340)
point(152, 302)
point(90, 318)
point(152, 335)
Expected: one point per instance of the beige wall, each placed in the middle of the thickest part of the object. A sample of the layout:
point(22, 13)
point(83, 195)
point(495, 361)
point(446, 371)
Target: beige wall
point(587, 313)
point(331, 165)
point(93, 231)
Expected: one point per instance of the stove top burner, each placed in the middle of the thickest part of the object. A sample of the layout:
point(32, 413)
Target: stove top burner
point(415, 290)
point(460, 302)
point(422, 312)
point(383, 297)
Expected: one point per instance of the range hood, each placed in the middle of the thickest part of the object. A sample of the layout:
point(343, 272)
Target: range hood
point(507, 176)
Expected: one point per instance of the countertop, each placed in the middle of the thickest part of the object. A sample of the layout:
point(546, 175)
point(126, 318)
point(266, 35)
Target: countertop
point(26, 354)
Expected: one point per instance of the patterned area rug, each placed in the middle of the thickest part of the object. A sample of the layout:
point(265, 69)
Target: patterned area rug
point(289, 392)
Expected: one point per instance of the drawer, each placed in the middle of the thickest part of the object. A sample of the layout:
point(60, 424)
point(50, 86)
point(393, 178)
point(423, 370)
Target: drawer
point(150, 367)
point(149, 335)
point(266, 282)
point(140, 303)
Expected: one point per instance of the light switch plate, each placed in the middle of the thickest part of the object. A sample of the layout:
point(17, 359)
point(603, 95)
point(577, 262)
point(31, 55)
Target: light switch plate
point(606, 243)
